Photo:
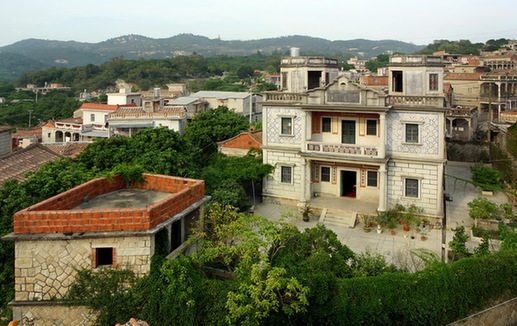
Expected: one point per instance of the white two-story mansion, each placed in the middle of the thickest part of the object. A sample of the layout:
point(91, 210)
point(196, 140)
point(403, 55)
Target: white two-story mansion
point(331, 137)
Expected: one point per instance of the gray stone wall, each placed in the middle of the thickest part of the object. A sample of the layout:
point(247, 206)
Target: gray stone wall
point(52, 315)
point(44, 269)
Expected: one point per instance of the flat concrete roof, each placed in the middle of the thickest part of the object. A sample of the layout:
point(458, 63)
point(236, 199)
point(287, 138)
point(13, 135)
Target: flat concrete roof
point(124, 198)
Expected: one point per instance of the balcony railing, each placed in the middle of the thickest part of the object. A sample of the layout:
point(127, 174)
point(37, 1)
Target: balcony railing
point(285, 97)
point(408, 100)
point(147, 115)
point(342, 149)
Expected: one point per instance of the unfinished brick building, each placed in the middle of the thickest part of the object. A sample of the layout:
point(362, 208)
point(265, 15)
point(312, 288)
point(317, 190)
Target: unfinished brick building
point(103, 223)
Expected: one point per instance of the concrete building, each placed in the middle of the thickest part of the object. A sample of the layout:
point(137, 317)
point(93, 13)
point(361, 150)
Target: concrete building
point(103, 223)
point(344, 140)
point(242, 103)
point(5, 140)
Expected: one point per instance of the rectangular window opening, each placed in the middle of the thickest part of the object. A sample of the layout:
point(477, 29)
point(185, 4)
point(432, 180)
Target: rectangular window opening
point(325, 174)
point(286, 174)
point(433, 82)
point(397, 81)
point(287, 126)
point(372, 179)
point(412, 188)
point(411, 133)
point(104, 257)
point(371, 127)
point(326, 124)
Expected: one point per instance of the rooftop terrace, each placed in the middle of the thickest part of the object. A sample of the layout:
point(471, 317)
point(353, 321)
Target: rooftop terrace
point(102, 205)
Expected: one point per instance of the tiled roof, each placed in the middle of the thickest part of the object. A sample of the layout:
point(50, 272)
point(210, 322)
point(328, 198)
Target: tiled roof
point(125, 110)
point(27, 133)
point(104, 107)
point(16, 164)
point(462, 76)
point(69, 149)
point(70, 120)
point(172, 109)
point(220, 95)
point(245, 140)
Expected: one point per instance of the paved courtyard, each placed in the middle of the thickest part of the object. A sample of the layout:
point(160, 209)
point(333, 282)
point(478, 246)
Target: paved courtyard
point(396, 248)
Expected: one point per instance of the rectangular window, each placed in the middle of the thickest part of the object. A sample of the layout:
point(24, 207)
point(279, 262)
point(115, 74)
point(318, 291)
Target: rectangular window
point(326, 124)
point(397, 84)
point(411, 133)
point(411, 188)
point(105, 118)
point(287, 126)
point(371, 127)
point(372, 179)
point(103, 257)
point(286, 174)
point(284, 80)
point(325, 174)
point(92, 117)
point(433, 82)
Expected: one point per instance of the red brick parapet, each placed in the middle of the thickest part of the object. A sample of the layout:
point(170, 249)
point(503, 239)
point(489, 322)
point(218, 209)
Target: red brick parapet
point(56, 214)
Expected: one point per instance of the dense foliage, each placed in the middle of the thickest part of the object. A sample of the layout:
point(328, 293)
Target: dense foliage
point(54, 105)
point(149, 73)
point(307, 278)
point(157, 150)
point(463, 46)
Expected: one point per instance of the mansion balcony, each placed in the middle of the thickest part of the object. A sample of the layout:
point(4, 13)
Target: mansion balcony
point(416, 101)
point(147, 116)
point(343, 149)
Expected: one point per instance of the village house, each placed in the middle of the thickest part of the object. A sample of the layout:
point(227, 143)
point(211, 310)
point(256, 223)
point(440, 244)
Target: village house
point(245, 104)
point(334, 138)
point(103, 223)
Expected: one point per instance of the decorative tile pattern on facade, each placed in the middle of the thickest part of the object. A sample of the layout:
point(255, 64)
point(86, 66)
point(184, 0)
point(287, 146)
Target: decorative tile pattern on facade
point(274, 126)
point(428, 136)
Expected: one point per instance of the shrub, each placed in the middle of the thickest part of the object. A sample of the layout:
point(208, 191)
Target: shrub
point(485, 177)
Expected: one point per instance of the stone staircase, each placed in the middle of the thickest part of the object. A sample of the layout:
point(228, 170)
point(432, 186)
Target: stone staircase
point(338, 218)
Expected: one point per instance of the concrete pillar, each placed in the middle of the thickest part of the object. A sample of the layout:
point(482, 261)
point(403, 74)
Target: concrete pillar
point(304, 181)
point(383, 189)
point(383, 132)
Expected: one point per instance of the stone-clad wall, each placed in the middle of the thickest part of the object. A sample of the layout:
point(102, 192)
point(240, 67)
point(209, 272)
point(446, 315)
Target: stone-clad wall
point(51, 315)
point(44, 269)
point(429, 176)
point(276, 188)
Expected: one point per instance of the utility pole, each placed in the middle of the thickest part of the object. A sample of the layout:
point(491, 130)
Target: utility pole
point(30, 116)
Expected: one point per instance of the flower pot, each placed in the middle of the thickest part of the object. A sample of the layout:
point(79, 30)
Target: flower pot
point(367, 229)
point(306, 218)
point(406, 227)
point(423, 238)
point(393, 232)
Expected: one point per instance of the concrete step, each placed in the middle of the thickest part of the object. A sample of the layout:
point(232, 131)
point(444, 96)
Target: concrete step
point(338, 218)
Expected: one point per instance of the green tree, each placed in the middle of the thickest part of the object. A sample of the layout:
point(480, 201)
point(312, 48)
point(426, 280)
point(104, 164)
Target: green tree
point(208, 128)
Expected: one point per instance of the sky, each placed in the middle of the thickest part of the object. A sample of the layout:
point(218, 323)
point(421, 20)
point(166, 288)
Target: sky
point(415, 21)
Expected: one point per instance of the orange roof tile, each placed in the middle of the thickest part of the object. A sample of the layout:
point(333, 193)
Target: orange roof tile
point(104, 107)
point(245, 140)
point(462, 76)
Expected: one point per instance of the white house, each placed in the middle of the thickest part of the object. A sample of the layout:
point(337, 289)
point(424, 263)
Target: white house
point(342, 140)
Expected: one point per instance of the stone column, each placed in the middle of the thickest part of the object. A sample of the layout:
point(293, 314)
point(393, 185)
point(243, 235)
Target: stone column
point(383, 133)
point(303, 181)
point(383, 189)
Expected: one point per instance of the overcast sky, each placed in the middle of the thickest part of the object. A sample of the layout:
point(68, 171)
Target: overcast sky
point(415, 21)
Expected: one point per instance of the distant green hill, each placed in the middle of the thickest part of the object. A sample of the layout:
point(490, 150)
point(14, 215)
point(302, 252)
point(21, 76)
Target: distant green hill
point(13, 65)
point(30, 53)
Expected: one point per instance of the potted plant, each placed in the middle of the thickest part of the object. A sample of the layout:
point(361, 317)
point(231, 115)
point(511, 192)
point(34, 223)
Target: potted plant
point(368, 222)
point(306, 210)
point(423, 234)
point(382, 221)
point(410, 216)
point(392, 225)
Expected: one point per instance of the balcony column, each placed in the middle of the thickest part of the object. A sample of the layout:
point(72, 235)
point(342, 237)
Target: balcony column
point(303, 181)
point(383, 132)
point(383, 189)
point(307, 127)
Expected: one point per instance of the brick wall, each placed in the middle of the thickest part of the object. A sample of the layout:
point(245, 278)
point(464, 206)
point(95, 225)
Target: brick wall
point(54, 214)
